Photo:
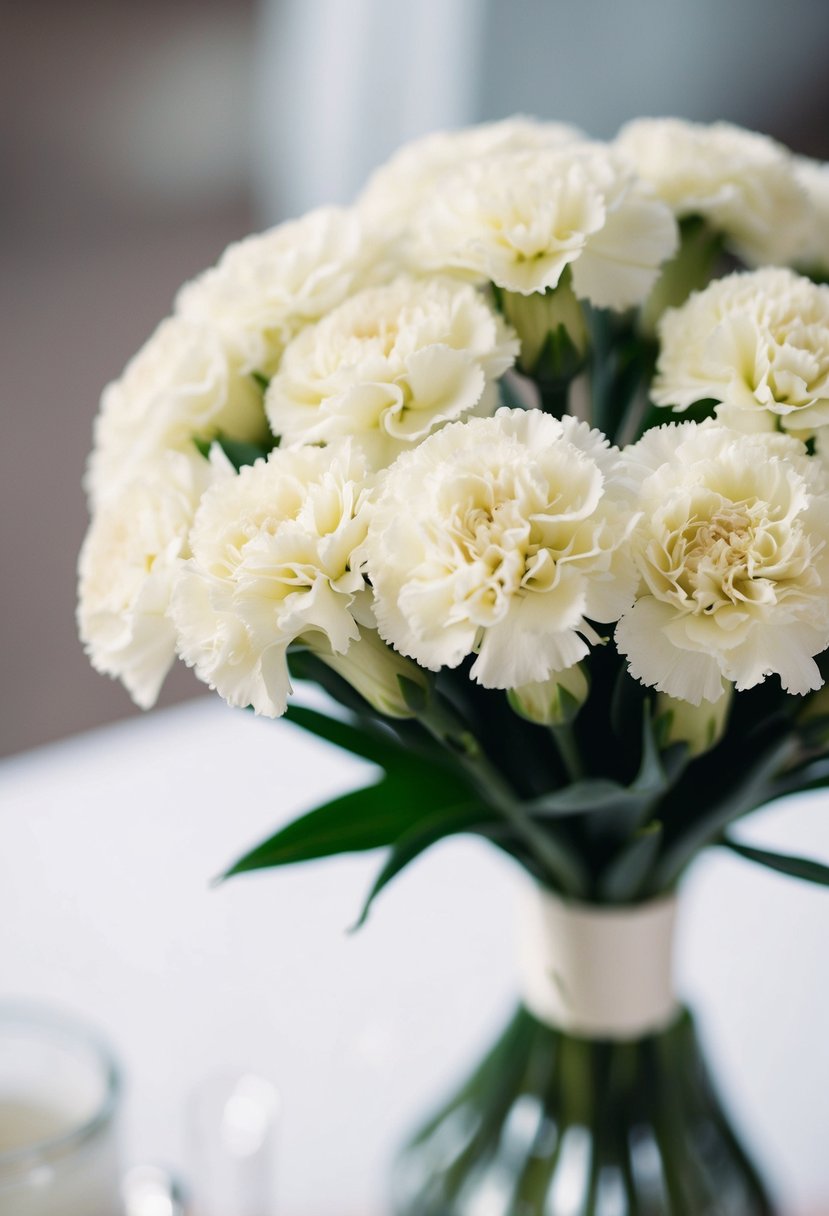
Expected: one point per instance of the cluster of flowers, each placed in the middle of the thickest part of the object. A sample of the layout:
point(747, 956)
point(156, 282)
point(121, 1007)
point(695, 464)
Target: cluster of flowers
point(314, 450)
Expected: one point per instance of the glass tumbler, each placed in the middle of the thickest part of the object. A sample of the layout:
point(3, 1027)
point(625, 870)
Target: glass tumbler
point(59, 1098)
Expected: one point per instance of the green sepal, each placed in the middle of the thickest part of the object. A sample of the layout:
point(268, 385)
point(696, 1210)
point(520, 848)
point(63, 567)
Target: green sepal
point(414, 694)
point(559, 361)
point(303, 664)
point(238, 451)
point(804, 868)
point(262, 380)
point(569, 705)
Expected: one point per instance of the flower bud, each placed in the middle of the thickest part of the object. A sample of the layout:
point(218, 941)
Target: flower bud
point(378, 673)
point(700, 726)
point(552, 330)
point(552, 702)
point(690, 269)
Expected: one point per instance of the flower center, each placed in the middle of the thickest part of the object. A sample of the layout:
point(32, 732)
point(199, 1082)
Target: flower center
point(723, 557)
point(729, 561)
point(490, 540)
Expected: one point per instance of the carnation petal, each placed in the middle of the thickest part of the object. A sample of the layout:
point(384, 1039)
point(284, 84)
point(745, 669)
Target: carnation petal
point(732, 544)
point(272, 553)
point(757, 343)
point(521, 651)
point(486, 539)
point(620, 264)
point(688, 674)
point(389, 366)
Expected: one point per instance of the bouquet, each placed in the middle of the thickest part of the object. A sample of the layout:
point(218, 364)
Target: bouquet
point(523, 459)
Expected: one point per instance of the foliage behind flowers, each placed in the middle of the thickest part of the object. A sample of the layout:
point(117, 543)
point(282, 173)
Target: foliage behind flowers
point(421, 452)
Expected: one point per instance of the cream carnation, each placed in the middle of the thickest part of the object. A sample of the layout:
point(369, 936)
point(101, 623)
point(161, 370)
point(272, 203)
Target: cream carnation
point(813, 178)
point(128, 565)
point(732, 549)
point(758, 343)
point(407, 179)
point(520, 218)
point(500, 536)
point(741, 182)
point(266, 287)
point(181, 385)
point(271, 563)
point(390, 365)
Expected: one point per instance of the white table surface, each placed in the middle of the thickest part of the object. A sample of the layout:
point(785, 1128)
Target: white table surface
point(107, 844)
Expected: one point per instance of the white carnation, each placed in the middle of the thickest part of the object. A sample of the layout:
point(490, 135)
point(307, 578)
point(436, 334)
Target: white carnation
point(181, 385)
point(521, 218)
point(733, 549)
point(813, 178)
point(128, 565)
point(271, 563)
point(390, 365)
point(756, 342)
point(266, 287)
point(741, 182)
point(406, 180)
point(502, 537)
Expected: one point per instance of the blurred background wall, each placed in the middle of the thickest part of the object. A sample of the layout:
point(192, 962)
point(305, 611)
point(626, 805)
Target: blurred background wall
point(138, 139)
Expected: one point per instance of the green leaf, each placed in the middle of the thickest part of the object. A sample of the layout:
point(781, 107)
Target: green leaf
point(814, 775)
point(385, 751)
point(625, 877)
point(795, 867)
point(659, 769)
point(746, 790)
point(370, 818)
point(409, 846)
point(262, 380)
point(582, 797)
point(651, 777)
point(434, 775)
point(364, 819)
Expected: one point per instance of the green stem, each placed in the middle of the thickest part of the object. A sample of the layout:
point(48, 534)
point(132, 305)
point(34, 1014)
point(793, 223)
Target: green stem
point(561, 862)
point(554, 396)
point(568, 748)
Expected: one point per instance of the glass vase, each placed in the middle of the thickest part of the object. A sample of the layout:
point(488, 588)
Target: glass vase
point(599, 1121)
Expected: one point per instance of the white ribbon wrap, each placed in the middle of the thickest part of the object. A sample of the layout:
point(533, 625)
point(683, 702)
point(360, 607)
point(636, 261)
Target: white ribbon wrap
point(595, 971)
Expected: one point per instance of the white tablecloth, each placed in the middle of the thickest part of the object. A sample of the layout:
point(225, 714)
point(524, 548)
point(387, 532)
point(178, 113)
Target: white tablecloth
point(108, 842)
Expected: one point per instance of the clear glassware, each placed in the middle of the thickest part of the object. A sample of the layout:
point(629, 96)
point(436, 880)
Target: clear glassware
point(59, 1097)
point(232, 1120)
point(552, 1124)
